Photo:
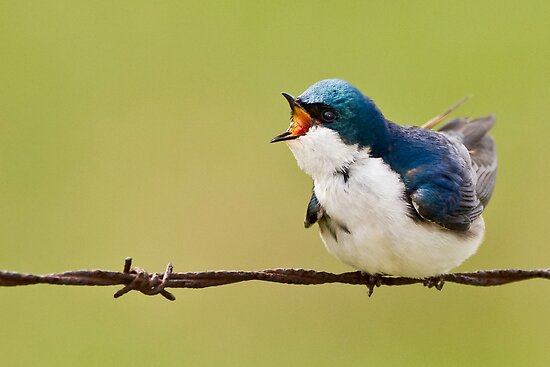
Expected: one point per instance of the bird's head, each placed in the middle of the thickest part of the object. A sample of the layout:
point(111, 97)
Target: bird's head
point(331, 121)
point(337, 105)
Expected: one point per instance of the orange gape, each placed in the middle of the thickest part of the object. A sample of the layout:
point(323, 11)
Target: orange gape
point(301, 121)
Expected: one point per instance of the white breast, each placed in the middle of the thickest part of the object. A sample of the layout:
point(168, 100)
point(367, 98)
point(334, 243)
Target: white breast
point(373, 229)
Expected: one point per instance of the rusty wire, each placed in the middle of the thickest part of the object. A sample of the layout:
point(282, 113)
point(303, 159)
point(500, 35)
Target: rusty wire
point(156, 283)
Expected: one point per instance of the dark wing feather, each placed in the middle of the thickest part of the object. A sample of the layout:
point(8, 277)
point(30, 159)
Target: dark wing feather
point(314, 211)
point(475, 136)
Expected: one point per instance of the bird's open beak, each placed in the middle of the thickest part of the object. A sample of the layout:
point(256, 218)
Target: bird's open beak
point(301, 121)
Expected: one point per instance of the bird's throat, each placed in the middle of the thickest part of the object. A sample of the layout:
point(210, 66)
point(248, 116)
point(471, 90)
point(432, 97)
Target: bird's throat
point(322, 152)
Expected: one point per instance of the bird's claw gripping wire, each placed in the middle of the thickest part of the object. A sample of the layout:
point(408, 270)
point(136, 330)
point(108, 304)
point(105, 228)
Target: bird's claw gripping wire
point(436, 282)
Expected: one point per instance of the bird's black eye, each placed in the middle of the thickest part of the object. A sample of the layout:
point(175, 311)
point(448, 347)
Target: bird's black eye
point(329, 115)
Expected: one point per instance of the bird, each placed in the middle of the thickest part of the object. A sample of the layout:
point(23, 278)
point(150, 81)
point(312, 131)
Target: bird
point(390, 199)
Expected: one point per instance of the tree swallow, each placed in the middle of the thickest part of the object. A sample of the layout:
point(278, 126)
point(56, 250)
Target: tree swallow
point(390, 199)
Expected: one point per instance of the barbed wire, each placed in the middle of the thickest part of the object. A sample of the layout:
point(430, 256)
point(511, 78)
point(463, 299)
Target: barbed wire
point(156, 283)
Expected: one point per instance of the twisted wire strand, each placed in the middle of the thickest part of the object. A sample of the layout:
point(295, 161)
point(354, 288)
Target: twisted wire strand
point(152, 284)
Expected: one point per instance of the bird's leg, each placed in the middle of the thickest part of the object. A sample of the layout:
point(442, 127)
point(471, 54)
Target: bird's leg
point(436, 282)
point(373, 280)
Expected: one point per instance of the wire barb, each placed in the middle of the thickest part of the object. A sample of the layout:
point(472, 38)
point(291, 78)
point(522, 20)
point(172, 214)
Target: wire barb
point(156, 283)
point(149, 285)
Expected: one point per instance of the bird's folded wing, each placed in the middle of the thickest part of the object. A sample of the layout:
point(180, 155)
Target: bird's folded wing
point(447, 202)
point(314, 211)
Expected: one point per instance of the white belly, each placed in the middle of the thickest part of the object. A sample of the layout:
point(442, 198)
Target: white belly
point(373, 231)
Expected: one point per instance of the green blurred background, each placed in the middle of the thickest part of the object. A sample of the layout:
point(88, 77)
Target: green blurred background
point(140, 129)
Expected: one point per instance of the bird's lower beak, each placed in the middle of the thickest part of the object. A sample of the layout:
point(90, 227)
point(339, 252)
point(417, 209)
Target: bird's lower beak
point(301, 121)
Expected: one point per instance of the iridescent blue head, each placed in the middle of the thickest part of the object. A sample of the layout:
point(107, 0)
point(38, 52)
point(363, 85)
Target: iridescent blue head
point(337, 105)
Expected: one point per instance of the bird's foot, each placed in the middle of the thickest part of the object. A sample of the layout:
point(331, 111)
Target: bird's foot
point(436, 282)
point(373, 280)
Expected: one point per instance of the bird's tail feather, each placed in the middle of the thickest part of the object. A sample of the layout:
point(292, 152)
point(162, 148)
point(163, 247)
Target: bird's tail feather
point(471, 132)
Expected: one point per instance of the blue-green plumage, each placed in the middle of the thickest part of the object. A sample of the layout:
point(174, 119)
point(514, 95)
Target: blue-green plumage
point(359, 119)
